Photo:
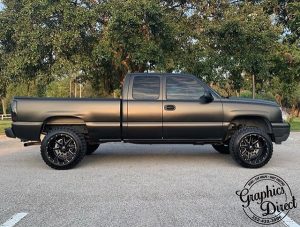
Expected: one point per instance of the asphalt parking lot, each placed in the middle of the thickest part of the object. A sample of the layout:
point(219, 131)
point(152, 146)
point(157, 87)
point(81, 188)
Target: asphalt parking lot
point(136, 185)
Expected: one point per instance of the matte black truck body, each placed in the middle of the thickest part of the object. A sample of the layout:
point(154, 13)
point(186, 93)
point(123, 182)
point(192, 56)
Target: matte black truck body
point(34, 114)
point(141, 117)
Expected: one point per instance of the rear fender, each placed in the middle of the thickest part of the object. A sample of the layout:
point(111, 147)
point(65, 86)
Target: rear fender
point(73, 122)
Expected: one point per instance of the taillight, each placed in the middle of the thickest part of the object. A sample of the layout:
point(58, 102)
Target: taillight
point(13, 110)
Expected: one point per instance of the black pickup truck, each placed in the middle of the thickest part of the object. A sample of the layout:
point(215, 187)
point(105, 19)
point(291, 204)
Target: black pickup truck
point(154, 108)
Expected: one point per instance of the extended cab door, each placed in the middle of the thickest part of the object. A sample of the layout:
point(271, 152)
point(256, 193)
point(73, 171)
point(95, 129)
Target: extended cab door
point(144, 108)
point(185, 116)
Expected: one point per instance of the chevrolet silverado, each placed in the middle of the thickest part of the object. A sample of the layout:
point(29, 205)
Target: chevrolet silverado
point(154, 108)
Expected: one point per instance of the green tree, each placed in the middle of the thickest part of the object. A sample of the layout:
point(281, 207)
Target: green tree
point(136, 36)
point(45, 40)
point(239, 38)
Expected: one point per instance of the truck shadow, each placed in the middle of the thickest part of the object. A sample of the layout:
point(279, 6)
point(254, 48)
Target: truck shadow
point(158, 153)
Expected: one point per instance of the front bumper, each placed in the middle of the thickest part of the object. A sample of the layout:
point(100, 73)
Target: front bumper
point(281, 132)
point(9, 133)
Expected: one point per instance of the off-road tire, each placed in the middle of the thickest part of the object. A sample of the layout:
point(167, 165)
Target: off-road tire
point(222, 148)
point(78, 140)
point(91, 148)
point(235, 147)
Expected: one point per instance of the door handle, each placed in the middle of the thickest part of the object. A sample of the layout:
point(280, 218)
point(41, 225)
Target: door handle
point(169, 107)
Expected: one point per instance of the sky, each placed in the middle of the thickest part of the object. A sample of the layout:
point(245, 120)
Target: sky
point(1, 6)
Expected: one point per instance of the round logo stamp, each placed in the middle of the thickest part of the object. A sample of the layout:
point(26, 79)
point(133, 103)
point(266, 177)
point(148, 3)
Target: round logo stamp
point(266, 198)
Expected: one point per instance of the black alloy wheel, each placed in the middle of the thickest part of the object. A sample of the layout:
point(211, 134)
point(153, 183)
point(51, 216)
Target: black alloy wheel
point(251, 147)
point(63, 148)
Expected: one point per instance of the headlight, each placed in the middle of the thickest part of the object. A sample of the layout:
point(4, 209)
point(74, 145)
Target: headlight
point(284, 115)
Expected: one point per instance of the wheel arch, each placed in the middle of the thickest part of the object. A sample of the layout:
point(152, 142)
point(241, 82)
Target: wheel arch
point(254, 121)
point(249, 121)
point(64, 121)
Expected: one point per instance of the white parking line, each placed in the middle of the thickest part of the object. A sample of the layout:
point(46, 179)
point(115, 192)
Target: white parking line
point(14, 220)
point(287, 221)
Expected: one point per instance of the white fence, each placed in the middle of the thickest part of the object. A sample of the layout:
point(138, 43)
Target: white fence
point(5, 116)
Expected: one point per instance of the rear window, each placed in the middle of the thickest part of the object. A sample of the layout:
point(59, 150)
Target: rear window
point(146, 87)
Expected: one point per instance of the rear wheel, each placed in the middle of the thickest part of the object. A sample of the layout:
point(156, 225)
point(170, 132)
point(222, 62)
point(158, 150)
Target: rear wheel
point(251, 147)
point(221, 148)
point(63, 148)
point(91, 148)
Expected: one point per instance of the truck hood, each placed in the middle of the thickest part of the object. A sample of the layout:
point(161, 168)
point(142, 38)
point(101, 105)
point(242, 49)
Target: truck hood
point(253, 101)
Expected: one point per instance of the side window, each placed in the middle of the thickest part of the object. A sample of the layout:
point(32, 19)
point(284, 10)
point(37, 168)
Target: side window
point(184, 88)
point(146, 87)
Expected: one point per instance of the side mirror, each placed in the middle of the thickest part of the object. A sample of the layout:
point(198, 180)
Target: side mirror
point(207, 97)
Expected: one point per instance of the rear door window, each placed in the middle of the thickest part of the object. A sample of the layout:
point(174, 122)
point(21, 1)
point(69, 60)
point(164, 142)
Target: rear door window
point(146, 87)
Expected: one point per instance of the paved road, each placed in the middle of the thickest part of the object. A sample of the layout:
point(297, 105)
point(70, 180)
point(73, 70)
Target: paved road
point(136, 185)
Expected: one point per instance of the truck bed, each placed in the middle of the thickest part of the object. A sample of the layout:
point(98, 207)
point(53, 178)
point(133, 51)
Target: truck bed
point(101, 116)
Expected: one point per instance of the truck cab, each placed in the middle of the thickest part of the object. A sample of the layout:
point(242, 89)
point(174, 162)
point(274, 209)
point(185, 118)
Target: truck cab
point(171, 108)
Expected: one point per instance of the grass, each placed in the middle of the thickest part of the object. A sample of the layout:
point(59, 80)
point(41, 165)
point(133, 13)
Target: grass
point(4, 124)
point(295, 124)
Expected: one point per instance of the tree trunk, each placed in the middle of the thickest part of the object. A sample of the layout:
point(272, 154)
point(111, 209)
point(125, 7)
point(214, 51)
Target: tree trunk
point(3, 105)
point(253, 86)
point(122, 78)
point(70, 92)
point(28, 88)
point(75, 90)
point(80, 90)
point(293, 111)
point(278, 99)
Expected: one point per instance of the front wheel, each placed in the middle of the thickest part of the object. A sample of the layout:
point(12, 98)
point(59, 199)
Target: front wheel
point(251, 147)
point(63, 148)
